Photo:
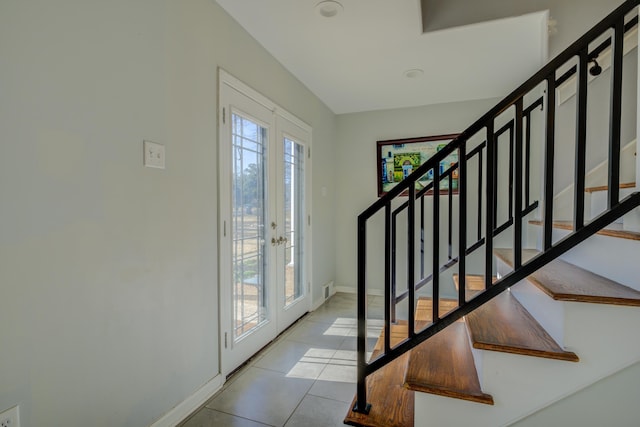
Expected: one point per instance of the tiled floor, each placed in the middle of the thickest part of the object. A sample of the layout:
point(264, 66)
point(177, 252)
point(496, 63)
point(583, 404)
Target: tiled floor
point(306, 377)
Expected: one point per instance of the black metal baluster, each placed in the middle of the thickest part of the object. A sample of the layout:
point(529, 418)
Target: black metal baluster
point(411, 256)
point(490, 212)
point(480, 176)
point(511, 142)
point(422, 215)
point(450, 215)
point(462, 223)
point(581, 141)
point(549, 161)
point(616, 114)
point(387, 276)
point(494, 181)
point(435, 281)
point(361, 400)
point(527, 163)
point(393, 266)
point(517, 225)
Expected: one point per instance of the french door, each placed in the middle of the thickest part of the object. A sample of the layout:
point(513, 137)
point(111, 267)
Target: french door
point(264, 234)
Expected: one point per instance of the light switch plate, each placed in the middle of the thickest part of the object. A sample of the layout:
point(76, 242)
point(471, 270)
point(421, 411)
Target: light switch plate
point(153, 155)
point(10, 417)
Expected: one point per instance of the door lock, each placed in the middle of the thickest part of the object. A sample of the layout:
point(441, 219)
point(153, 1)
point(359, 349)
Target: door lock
point(279, 241)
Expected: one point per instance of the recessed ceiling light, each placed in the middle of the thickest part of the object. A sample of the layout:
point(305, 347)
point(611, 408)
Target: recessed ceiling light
point(414, 73)
point(328, 8)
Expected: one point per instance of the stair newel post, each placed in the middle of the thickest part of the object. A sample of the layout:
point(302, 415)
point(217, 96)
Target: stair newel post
point(436, 243)
point(361, 400)
point(581, 140)
point(616, 113)
point(411, 236)
point(462, 222)
point(387, 277)
point(489, 204)
point(549, 160)
point(517, 225)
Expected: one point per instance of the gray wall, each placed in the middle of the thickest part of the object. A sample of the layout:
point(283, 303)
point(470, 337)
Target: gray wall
point(108, 270)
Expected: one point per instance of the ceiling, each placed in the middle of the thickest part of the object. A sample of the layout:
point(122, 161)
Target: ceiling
point(357, 60)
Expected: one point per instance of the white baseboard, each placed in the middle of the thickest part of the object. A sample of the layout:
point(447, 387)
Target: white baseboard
point(190, 404)
point(345, 289)
point(352, 290)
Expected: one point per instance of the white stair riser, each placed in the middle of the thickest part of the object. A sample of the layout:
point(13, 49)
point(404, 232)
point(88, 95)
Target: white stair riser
point(615, 258)
point(596, 203)
point(631, 221)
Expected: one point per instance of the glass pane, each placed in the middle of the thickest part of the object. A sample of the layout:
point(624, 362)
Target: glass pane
point(294, 219)
point(248, 217)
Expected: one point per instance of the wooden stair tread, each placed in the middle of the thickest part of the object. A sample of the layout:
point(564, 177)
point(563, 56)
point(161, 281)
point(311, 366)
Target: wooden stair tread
point(503, 324)
point(611, 230)
point(424, 310)
point(444, 365)
point(391, 403)
point(606, 187)
point(474, 284)
point(567, 282)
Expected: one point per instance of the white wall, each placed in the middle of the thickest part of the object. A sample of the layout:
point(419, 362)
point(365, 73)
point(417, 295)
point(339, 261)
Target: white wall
point(356, 165)
point(108, 270)
point(574, 18)
point(598, 111)
point(612, 401)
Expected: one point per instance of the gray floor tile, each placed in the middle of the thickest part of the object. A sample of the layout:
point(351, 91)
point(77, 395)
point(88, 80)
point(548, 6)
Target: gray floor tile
point(321, 334)
point(262, 395)
point(341, 370)
point(338, 390)
point(318, 412)
point(211, 418)
point(296, 359)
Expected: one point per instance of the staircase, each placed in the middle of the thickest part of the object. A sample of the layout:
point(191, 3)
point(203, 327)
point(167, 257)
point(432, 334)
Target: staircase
point(500, 306)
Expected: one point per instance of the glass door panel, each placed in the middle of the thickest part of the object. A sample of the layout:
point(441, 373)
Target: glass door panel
point(249, 299)
point(293, 189)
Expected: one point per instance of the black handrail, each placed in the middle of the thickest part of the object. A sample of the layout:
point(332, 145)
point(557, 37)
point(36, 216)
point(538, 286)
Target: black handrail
point(519, 202)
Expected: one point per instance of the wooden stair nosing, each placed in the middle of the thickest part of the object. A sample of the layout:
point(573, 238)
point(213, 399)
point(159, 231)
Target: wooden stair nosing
point(612, 230)
point(606, 187)
point(563, 281)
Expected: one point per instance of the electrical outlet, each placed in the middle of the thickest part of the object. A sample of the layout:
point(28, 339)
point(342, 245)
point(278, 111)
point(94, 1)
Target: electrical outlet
point(10, 418)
